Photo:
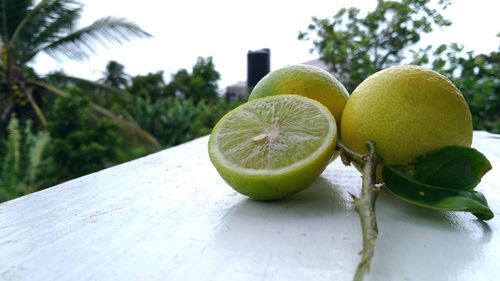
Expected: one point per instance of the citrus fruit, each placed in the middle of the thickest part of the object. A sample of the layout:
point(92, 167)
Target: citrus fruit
point(304, 80)
point(272, 147)
point(407, 111)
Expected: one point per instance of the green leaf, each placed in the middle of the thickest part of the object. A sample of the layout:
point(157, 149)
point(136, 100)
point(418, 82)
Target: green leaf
point(443, 179)
point(440, 49)
point(454, 167)
point(438, 198)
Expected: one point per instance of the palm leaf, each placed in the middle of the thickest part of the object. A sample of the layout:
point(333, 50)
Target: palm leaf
point(46, 22)
point(87, 84)
point(59, 26)
point(128, 126)
point(80, 44)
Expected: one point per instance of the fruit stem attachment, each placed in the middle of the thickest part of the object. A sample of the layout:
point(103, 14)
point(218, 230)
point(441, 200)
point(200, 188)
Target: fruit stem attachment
point(348, 155)
point(365, 204)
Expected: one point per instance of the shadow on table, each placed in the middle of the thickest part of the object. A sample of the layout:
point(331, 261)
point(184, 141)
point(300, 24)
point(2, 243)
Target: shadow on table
point(288, 237)
point(320, 223)
point(322, 198)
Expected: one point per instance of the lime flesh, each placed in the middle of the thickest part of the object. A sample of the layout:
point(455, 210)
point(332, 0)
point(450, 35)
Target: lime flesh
point(272, 147)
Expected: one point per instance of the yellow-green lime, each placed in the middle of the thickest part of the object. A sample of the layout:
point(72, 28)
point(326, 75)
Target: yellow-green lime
point(407, 111)
point(304, 80)
point(272, 147)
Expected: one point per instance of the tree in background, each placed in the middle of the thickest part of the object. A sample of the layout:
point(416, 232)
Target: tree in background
point(82, 142)
point(186, 107)
point(150, 86)
point(79, 145)
point(200, 84)
point(27, 29)
point(479, 80)
point(115, 76)
point(355, 45)
point(81, 136)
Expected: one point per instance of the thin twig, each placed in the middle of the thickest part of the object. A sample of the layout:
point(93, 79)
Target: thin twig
point(348, 155)
point(365, 206)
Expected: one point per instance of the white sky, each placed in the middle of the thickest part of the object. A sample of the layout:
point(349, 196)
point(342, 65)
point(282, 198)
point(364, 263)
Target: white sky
point(226, 30)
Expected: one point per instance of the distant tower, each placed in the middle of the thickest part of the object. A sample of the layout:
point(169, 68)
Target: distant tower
point(258, 65)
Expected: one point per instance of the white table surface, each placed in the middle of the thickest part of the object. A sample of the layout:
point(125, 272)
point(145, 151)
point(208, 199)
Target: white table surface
point(169, 216)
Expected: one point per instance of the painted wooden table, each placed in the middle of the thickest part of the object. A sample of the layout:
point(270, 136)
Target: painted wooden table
point(169, 216)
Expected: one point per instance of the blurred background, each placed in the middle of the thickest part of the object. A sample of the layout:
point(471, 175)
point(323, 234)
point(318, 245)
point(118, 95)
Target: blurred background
point(90, 84)
point(226, 30)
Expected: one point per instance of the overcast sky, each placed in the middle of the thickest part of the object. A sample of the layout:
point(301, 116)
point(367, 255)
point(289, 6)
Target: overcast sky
point(226, 30)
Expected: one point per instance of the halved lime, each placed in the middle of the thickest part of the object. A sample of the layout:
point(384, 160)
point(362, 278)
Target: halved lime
point(272, 147)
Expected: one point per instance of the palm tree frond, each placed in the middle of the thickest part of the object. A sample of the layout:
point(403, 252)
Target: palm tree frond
point(129, 127)
point(84, 83)
point(81, 43)
point(48, 87)
point(53, 31)
point(46, 22)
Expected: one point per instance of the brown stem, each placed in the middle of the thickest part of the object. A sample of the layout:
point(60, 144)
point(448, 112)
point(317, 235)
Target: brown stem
point(348, 155)
point(365, 204)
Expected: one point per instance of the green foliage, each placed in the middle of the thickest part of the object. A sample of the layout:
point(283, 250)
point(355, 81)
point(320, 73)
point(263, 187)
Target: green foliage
point(81, 143)
point(23, 160)
point(11, 14)
point(355, 45)
point(174, 120)
point(150, 86)
point(185, 108)
point(115, 75)
point(200, 84)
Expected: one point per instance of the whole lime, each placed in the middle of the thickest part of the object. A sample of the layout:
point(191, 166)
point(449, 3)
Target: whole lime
point(304, 80)
point(407, 111)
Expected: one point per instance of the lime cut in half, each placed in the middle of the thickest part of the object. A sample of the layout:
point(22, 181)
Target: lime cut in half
point(272, 147)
